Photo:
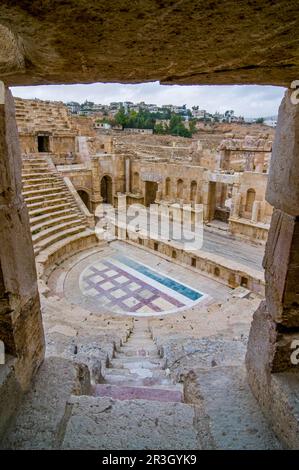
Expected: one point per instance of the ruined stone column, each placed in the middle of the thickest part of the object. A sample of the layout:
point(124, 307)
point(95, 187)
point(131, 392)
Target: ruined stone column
point(275, 324)
point(255, 211)
point(236, 206)
point(127, 173)
point(205, 198)
point(159, 192)
point(21, 327)
point(223, 195)
point(96, 197)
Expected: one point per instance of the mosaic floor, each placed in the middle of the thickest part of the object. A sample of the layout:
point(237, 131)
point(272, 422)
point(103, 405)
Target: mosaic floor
point(123, 285)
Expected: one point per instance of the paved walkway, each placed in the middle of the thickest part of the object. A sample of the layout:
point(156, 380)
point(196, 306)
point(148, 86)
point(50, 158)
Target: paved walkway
point(225, 245)
point(219, 242)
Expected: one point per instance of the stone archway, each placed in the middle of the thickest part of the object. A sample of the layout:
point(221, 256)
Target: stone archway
point(151, 188)
point(106, 189)
point(179, 190)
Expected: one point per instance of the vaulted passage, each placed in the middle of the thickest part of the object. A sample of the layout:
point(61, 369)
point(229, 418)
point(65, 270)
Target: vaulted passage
point(106, 189)
point(151, 188)
point(85, 197)
point(43, 143)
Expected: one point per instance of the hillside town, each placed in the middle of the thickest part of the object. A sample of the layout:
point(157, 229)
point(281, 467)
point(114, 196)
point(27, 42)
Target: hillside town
point(109, 111)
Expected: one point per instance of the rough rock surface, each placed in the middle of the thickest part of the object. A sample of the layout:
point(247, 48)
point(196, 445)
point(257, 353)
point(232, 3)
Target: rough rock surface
point(40, 421)
point(102, 423)
point(232, 416)
point(121, 41)
point(283, 190)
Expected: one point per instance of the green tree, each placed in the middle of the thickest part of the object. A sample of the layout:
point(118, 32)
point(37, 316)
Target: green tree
point(176, 126)
point(160, 129)
point(120, 117)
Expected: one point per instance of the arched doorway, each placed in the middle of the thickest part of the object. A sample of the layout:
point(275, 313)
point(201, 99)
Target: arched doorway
point(136, 182)
point(151, 188)
point(250, 197)
point(167, 187)
point(85, 197)
point(106, 189)
point(179, 191)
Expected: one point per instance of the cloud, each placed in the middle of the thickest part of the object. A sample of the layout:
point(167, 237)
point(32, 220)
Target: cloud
point(245, 100)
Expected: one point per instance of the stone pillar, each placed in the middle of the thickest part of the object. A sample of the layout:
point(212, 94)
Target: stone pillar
point(127, 173)
point(223, 195)
point(176, 211)
point(186, 215)
point(275, 324)
point(255, 212)
point(236, 206)
point(159, 192)
point(96, 197)
point(21, 327)
point(121, 202)
point(205, 200)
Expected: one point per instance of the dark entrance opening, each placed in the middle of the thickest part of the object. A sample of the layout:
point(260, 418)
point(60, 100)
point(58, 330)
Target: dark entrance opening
point(151, 188)
point(43, 143)
point(85, 198)
point(106, 189)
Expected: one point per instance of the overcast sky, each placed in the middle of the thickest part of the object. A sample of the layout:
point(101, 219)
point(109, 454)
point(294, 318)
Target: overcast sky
point(248, 101)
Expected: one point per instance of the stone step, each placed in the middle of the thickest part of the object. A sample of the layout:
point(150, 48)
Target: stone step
point(137, 393)
point(59, 221)
point(47, 206)
point(47, 198)
point(37, 185)
point(60, 228)
point(124, 377)
point(139, 349)
point(33, 193)
point(136, 361)
point(35, 166)
point(49, 215)
point(34, 160)
point(51, 240)
point(103, 423)
point(86, 236)
point(142, 335)
point(34, 176)
point(36, 171)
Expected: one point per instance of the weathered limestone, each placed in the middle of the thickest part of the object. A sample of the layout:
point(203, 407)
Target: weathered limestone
point(45, 48)
point(102, 423)
point(20, 320)
point(96, 197)
point(283, 189)
point(40, 422)
point(255, 211)
point(276, 323)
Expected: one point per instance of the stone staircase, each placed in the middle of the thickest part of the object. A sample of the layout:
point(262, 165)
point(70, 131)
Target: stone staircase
point(55, 218)
point(48, 116)
point(136, 372)
point(138, 406)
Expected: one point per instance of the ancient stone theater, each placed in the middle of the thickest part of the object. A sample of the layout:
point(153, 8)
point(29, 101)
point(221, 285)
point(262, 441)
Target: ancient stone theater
point(148, 283)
